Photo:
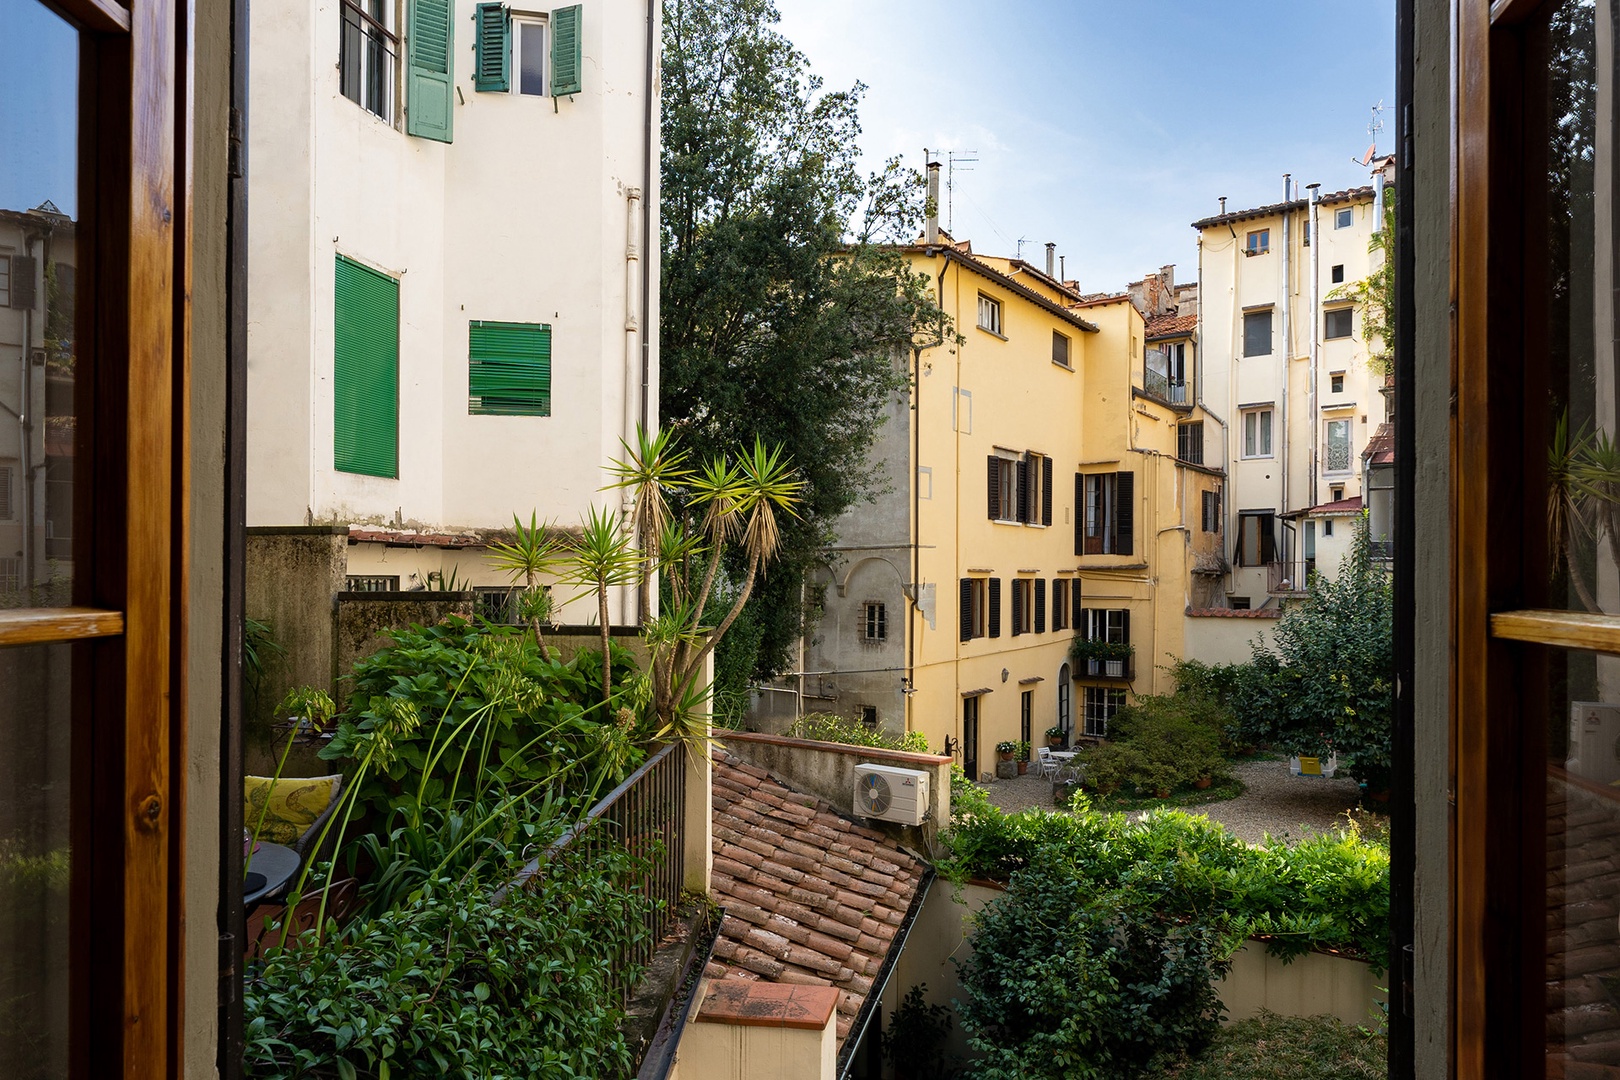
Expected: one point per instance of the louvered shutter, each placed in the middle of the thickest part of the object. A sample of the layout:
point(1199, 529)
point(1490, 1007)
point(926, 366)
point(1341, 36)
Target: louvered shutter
point(23, 271)
point(1074, 600)
point(1125, 626)
point(565, 51)
point(1079, 513)
point(365, 375)
point(1046, 491)
point(992, 472)
point(1017, 607)
point(1023, 490)
point(508, 369)
point(995, 607)
point(966, 593)
point(1040, 605)
point(429, 37)
point(492, 49)
point(1124, 512)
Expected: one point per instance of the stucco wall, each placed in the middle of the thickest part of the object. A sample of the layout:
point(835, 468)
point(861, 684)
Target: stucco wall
point(1226, 639)
point(364, 620)
point(828, 770)
point(293, 577)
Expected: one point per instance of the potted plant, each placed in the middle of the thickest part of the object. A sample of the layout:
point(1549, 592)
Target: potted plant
point(1004, 750)
point(1054, 737)
point(1096, 656)
point(1021, 755)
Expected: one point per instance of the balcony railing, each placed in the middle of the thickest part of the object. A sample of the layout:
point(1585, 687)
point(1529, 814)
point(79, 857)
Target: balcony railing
point(1110, 669)
point(644, 816)
point(1289, 577)
point(1164, 388)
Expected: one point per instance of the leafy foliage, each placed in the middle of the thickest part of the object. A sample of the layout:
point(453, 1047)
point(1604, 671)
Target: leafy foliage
point(446, 984)
point(783, 303)
point(1272, 1047)
point(914, 1042)
point(830, 727)
point(1159, 743)
point(1324, 892)
point(1064, 988)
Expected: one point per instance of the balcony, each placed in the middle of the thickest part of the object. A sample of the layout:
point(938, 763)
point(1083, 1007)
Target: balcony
point(1289, 578)
point(1109, 669)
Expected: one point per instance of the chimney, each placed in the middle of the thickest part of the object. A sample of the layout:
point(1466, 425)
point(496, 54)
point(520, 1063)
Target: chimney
point(1223, 204)
point(1051, 260)
point(1063, 268)
point(1168, 273)
point(931, 230)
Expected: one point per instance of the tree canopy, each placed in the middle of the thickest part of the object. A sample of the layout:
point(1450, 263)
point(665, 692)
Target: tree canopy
point(785, 305)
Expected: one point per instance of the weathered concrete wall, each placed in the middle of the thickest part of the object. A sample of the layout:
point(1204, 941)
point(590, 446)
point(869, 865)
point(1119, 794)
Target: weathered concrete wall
point(1225, 639)
point(939, 944)
point(365, 618)
point(565, 642)
point(828, 770)
point(753, 1030)
point(293, 577)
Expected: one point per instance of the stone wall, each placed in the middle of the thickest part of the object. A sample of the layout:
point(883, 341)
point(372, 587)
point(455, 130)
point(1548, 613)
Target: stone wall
point(365, 618)
point(293, 576)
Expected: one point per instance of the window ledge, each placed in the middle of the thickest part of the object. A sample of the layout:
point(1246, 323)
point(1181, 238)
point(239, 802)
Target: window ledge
point(993, 333)
point(1065, 367)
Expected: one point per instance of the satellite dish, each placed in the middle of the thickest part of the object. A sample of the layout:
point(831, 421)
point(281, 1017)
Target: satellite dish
point(875, 797)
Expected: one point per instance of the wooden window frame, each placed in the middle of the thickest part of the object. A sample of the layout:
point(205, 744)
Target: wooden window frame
point(127, 623)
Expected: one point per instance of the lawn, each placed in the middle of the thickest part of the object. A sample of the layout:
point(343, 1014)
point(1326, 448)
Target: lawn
point(1272, 1047)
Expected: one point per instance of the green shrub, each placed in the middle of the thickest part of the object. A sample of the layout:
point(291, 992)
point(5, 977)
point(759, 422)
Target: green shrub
point(914, 1042)
point(1272, 1047)
point(1062, 988)
point(831, 727)
point(448, 985)
point(1158, 744)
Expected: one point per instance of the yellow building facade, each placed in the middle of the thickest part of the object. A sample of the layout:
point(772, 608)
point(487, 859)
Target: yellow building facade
point(1035, 494)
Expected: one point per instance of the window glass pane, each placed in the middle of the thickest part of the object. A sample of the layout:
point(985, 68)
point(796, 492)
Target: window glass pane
point(531, 58)
point(39, 72)
point(34, 858)
point(1257, 333)
point(1338, 446)
point(1265, 433)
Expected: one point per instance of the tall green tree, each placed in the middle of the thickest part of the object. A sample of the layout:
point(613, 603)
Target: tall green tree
point(785, 306)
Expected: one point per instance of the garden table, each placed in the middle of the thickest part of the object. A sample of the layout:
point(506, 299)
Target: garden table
point(272, 866)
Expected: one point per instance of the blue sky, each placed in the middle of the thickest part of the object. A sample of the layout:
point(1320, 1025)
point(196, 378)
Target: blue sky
point(39, 77)
point(1110, 127)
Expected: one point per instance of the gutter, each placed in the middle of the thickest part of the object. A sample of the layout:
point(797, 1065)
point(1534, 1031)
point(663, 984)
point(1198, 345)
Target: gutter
point(863, 1019)
point(990, 273)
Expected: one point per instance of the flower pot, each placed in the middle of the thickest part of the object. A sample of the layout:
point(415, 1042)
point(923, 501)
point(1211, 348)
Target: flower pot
point(1003, 755)
point(1203, 782)
point(1162, 793)
point(1023, 767)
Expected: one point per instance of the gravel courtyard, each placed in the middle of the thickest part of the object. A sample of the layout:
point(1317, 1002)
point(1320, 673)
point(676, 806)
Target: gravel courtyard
point(1273, 803)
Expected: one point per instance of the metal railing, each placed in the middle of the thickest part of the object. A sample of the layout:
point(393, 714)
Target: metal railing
point(1110, 669)
point(645, 816)
point(1289, 577)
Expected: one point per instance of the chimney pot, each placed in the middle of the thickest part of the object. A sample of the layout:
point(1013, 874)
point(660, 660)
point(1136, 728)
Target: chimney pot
point(1223, 204)
point(1051, 259)
point(931, 229)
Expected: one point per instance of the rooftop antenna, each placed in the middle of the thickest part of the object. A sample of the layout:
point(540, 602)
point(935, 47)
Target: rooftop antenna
point(1375, 127)
point(1022, 240)
point(954, 161)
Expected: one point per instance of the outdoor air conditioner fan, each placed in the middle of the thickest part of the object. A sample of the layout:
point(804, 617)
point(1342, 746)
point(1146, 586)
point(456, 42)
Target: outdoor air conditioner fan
point(875, 794)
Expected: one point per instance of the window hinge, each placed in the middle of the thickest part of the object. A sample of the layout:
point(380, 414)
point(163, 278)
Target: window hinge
point(234, 154)
point(227, 968)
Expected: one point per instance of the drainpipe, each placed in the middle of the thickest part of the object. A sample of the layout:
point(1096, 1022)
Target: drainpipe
point(633, 597)
point(1311, 410)
point(1281, 432)
point(645, 596)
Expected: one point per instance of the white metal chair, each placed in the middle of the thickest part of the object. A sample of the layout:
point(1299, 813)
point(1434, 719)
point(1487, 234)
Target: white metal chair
point(1045, 763)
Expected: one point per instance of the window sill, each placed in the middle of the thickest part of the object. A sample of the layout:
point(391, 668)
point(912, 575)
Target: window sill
point(1258, 457)
point(1065, 367)
point(993, 333)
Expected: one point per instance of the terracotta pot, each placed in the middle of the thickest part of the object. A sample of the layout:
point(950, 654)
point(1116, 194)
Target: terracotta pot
point(1162, 793)
point(1023, 767)
point(1055, 743)
point(1203, 782)
point(1003, 755)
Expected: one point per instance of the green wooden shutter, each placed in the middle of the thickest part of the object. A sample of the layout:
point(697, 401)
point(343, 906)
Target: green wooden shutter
point(429, 37)
point(365, 377)
point(492, 47)
point(565, 51)
point(508, 369)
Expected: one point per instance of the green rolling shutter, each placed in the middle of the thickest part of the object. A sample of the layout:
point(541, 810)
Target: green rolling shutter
point(508, 369)
point(428, 40)
point(365, 377)
point(565, 51)
point(492, 69)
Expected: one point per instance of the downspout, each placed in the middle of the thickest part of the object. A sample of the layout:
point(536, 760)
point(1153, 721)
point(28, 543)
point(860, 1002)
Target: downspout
point(1281, 434)
point(25, 434)
point(633, 320)
point(645, 592)
point(915, 536)
point(1226, 431)
point(1316, 330)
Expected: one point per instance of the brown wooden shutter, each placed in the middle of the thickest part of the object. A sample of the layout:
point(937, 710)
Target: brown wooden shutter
point(966, 592)
point(1125, 626)
point(1040, 605)
point(1046, 491)
point(1023, 489)
point(1018, 587)
point(23, 272)
point(993, 473)
point(1079, 513)
point(995, 607)
point(1074, 602)
point(1124, 512)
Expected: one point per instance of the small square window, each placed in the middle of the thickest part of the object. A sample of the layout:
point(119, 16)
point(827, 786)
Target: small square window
point(1327, 527)
point(877, 622)
point(1238, 603)
point(1338, 323)
point(1336, 383)
point(1336, 491)
point(1259, 242)
point(869, 715)
point(1344, 218)
point(1257, 433)
point(1338, 273)
point(989, 314)
point(1060, 349)
point(1257, 333)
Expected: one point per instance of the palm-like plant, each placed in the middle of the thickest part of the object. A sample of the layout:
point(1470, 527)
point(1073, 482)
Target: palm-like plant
point(534, 550)
point(653, 469)
point(602, 557)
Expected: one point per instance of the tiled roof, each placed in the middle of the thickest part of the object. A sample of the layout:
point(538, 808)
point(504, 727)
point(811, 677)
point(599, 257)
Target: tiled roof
point(810, 897)
point(407, 538)
point(1236, 613)
point(1171, 325)
point(1342, 506)
point(1355, 194)
point(1381, 447)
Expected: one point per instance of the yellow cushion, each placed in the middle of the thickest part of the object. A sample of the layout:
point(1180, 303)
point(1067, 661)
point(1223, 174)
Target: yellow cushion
point(294, 802)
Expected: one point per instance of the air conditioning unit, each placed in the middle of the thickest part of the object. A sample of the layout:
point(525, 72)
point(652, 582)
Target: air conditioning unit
point(885, 793)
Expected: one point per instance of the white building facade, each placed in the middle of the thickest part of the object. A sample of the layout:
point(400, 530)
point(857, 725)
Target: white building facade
point(1285, 362)
point(453, 283)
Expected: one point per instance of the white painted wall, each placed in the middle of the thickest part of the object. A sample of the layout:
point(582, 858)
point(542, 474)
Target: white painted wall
point(522, 218)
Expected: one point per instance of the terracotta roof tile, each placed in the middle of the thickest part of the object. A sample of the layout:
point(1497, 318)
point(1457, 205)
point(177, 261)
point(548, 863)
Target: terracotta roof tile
point(811, 898)
point(1236, 613)
point(1170, 326)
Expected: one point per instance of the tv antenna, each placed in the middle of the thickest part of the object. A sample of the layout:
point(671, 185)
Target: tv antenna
point(954, 161)
point(1375, 126)
point(1022, 240)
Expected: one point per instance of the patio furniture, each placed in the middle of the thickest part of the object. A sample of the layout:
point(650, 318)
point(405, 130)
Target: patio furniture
point(294, 809)
point(1046, 762)
point(270, 869)
point(1064, 763)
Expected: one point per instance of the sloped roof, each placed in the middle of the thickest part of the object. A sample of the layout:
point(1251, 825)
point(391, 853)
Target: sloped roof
point(1341, 506)
point(1171, 326)
point(1355, 194)
point(810, 897)
point(406, 538)
point(1381, 447)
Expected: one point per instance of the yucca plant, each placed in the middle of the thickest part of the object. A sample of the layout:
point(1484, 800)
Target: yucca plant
point(601, 558)
point(533, 550)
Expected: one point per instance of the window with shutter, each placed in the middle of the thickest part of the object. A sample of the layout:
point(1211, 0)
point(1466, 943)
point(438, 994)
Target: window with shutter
point(492, 64)
point(1046, 491)
point(992, 475)
point(1125, 512)
point(965, 595)
point(429, 38)
point(566, 57)
point(1190, 442)
point(508, 369)
point(5, 280)
point(1020, 608)
point(993, 607)
point(23, 271)
point(1040, 606)
point(7, 507)
point(1257, 333)
point(1023, 489)
point(365, 376)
